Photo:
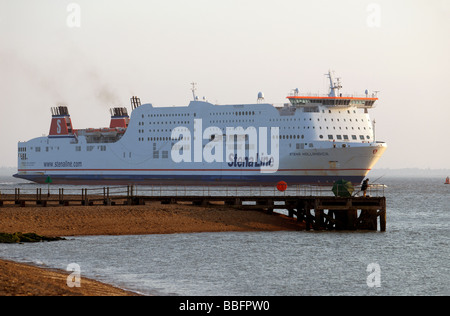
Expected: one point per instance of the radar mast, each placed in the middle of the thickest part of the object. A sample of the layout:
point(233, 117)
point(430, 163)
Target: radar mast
point(193, 89)
point(334, 86)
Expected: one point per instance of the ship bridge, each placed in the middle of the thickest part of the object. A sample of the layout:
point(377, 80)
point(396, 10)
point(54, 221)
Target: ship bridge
point(332, 102)
point(334, 99)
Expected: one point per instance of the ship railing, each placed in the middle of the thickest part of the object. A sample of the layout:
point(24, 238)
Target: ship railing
point(341, 95)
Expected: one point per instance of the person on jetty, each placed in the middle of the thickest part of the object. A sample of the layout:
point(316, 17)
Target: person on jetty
point(364, 186)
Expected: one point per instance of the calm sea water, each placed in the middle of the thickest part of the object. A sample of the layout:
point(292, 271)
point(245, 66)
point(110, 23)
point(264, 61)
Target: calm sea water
point(413, 254)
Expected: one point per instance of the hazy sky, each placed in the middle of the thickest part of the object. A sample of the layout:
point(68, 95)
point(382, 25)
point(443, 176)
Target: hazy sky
point(93, 55)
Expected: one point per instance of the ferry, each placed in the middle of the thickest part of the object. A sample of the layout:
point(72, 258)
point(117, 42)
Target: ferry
point(314, 139)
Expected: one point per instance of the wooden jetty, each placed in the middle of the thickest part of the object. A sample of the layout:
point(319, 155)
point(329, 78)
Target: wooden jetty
point(316, 207)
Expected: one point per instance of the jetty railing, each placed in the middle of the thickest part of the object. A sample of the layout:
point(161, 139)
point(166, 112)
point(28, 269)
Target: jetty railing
point(42, 194)
point(377, 190)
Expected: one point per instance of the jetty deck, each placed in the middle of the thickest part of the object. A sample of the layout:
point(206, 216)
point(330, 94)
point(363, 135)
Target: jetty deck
point(316, 206)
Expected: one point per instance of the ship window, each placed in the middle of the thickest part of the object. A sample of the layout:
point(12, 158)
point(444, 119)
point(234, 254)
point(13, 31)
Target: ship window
point(361, 137)
point(330, 137)
point(354, 137)
point(165, 154)
point(339, 136)
point(320, 136)
point(346, 137)
point(368, 137)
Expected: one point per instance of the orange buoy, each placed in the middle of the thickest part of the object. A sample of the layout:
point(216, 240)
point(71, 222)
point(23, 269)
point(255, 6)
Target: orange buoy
point(282, 186)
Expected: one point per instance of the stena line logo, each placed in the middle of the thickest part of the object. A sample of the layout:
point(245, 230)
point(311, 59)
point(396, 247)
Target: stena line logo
point(244, 148)
point(58, 127)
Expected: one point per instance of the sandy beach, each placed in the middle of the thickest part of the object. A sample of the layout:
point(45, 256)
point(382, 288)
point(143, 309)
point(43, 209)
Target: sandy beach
point(152, 218)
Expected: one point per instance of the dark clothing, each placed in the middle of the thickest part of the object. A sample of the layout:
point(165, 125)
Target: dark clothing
point(365, 185)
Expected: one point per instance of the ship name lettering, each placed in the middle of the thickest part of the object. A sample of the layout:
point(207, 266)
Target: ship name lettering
point(320, 153)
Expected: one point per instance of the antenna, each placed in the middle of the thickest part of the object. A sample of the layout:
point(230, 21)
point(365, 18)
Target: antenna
point(334, 85)
point(338, 86)
point(193, 89)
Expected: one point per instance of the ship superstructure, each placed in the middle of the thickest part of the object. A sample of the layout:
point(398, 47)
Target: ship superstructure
point(311, 139)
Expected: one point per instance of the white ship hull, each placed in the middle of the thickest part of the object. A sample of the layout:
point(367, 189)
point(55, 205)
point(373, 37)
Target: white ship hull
point(353, 164)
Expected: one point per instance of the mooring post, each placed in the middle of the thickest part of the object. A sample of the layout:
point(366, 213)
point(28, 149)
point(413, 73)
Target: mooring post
point(61, 196)
point(308, 215)
point(318, 214)
point(17, 196)
point(86, 199)
point(352, 216)
point(383, 221)
point(38, 198)
point(108, 199)
point(382, 214)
